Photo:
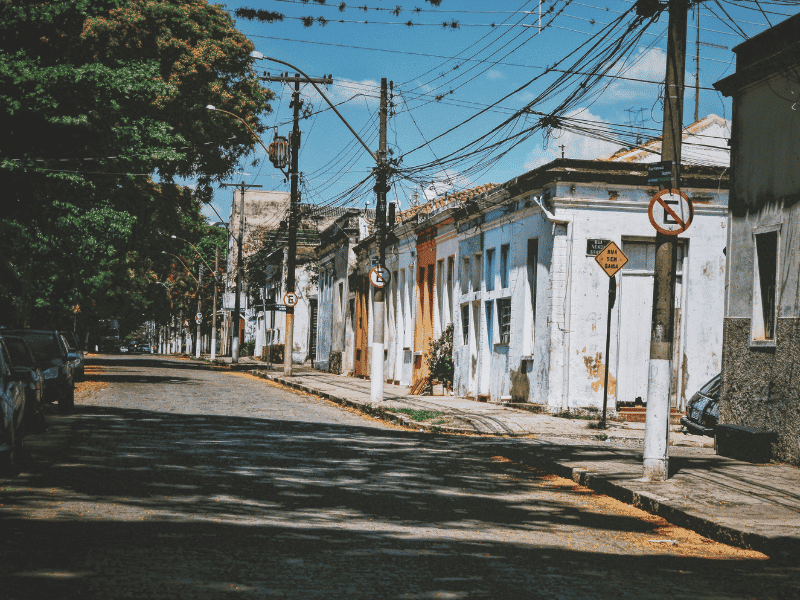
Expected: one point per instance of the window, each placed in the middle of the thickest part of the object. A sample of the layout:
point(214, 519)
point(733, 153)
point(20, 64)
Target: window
point(504, 319)
point(533, 267)
point(340, 303)
point(490, 269)
point(504, 266)
point(489, 307)
point(465, 323)
point(476, 273)
point(764, 287)
point(465, 275)
point(451, 260)
point(440, 293)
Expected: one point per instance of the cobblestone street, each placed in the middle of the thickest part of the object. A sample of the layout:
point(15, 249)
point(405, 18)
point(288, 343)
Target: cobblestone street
point(173, 479)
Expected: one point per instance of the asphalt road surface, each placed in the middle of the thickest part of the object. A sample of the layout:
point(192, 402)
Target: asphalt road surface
point(176, 480)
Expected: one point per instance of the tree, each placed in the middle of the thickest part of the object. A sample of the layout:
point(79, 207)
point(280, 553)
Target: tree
point(102, 107)
point(440, 361)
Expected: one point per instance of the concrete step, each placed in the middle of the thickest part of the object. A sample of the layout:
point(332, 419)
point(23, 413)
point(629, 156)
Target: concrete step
point(636, 414)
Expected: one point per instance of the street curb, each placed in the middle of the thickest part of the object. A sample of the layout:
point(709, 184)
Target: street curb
point(662, 507)
point(372, 411)
point(781, 548)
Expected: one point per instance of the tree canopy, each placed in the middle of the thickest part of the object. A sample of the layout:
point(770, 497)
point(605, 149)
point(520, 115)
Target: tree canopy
point(102, 105)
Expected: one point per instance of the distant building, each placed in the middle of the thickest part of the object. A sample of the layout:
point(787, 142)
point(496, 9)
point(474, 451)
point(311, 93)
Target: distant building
point(705, 142)
point(761, 352)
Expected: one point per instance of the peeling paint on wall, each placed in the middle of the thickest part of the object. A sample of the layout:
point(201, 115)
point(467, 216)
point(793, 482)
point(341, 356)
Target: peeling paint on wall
point(597, 371)
point(520, 384)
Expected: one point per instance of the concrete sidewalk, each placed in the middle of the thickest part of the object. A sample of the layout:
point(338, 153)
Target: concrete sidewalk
point(746, 505)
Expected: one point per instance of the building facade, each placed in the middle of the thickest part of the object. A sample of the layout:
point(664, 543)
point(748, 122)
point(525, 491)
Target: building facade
point(762, 305)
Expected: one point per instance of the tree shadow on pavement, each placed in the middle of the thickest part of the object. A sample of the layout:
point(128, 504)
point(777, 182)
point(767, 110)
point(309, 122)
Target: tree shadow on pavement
point(155, 505)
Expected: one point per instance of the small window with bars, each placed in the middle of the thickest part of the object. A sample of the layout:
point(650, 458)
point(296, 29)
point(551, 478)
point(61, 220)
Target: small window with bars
point(504, 319)
point(465, 323)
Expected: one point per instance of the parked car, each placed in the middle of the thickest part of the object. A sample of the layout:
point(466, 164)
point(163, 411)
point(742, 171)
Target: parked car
point(75, 354)
point(144, 348)
point(12, 405)
point(123, 349)
point(22, 358)
point(50, 352)
point(702, 410)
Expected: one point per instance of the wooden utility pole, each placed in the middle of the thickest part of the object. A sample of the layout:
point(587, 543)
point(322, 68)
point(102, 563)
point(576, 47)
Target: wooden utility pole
point(294, 201)
point(656, 440)
point(379, 304)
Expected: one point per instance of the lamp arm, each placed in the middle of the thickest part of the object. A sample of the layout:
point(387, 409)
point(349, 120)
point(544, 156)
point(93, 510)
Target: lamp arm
point(324, 97)
point(255, 135)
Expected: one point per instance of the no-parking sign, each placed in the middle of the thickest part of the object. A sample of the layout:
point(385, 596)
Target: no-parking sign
point(671, 212)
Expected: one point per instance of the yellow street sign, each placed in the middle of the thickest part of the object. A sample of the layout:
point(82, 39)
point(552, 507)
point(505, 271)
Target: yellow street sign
point(611, 259)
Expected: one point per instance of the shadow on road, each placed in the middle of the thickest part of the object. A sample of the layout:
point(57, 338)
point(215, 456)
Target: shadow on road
point(189, 506)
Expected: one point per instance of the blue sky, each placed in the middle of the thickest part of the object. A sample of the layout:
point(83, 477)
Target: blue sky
point(444, 76)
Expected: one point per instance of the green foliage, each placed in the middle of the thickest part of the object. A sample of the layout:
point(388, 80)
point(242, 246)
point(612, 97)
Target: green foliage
point(101, 106)
point(440, 360)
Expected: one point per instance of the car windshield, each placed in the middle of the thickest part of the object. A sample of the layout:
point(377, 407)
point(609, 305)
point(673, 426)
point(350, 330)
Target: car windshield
point(711, 389)
point(44, 346)
point(20, 354)
point(69, 337)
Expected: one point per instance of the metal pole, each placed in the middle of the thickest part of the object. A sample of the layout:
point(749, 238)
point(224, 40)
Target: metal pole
point(379, 304)
point(199, 310)
point(214, 315)
point(612, 296)
point(656, 437)
point(291, 259)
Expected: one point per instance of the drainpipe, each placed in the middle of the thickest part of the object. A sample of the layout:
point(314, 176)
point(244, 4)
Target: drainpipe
point(567, 299)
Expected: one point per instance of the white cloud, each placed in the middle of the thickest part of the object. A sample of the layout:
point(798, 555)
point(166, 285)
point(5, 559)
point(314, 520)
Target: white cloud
point(443, 182)
point(494, 75)
point(357, 92)
point(575, 145)
point(647, 65)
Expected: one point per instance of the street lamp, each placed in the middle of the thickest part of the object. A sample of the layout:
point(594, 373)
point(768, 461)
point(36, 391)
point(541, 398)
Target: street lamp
point(214, 274)
point(381, 189)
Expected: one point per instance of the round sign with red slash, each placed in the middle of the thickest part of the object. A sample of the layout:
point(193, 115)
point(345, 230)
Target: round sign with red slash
point(290, 299)
point(671, 212)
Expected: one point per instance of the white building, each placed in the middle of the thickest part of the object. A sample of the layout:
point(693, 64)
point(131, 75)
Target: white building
point(531, 312)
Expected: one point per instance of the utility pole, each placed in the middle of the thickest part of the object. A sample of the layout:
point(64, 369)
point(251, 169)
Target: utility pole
point(237, 301)
point(656, 439)
point(697, 69)
point(294, 172)
point(379, 304)
point(199, 309)
point(214, 315)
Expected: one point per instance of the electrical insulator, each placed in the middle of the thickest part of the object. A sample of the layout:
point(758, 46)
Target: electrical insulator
point(279, 152)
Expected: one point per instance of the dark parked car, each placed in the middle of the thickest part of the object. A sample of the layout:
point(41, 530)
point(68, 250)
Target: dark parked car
point(50, 352)
point(75, 354)
point(702, 410)
point(12, 406)
point(22, 359)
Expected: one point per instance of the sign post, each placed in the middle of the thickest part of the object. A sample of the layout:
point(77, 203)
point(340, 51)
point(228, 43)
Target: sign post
point(611, 259)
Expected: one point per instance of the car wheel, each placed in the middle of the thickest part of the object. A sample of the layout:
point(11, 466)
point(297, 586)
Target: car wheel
point(8, 460)
point(67, 401)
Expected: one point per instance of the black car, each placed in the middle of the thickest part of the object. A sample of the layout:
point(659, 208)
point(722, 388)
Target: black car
point(12, 407)
point(50, 352)
point(22, 359)
point(75, 354)
point(702, 410)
